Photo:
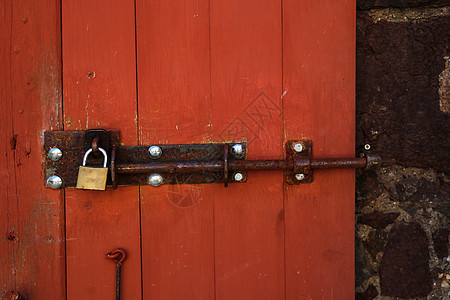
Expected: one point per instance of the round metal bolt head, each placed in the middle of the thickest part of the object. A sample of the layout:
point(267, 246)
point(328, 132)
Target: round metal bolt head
point(54, 182)
point(55, 154)
point(238, 176)
point(237, 150)
point(298, 147)
point(155, 152)
point(367, 146)
point(155, 179)
point(300, 177)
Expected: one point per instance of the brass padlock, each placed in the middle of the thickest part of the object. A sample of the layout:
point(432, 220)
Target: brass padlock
point(90, 178)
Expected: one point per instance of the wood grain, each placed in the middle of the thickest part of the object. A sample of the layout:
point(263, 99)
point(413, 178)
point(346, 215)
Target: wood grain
point(97, 223)
point(31, 216)
point(319, 77)
point(246, 105)
point(175, 107)
point(8, 203)
point(99, 77)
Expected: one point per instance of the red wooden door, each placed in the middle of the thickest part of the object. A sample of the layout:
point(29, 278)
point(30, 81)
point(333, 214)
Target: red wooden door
point(183, 71)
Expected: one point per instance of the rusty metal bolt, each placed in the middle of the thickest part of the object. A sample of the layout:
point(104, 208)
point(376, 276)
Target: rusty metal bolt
point(298, 147)
point(155, 152)
point(55, 154)
point(54, 182)
point(155, 179)
point(300, 177)
point(237, 150)
point(238, 176)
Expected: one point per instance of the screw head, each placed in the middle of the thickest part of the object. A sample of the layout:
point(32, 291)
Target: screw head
point(155, 179)
point(55, 154)
point(54, 182)
point(238, 176)
point(367, 147)
point(300, 177)
point(237, 150)
point(155, 152)
point(298, 147)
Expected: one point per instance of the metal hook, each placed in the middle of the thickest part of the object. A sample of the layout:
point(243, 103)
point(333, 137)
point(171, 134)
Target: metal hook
point(115, 254)
point(119, 256)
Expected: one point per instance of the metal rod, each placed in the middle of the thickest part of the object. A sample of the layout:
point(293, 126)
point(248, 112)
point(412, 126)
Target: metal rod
point(244, 165)
point(170, 167)
point(119, 256)
point(118, 275)
point(338, 163)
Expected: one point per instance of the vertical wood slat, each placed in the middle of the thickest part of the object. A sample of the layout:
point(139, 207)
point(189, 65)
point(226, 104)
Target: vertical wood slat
point(319, 77)
point(246, 94)
point(31, 216)
point(8, 203)
point(99, 78)
point(174, 108)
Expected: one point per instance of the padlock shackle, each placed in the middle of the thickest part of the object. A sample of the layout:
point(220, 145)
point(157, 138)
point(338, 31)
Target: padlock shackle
point(89, 152)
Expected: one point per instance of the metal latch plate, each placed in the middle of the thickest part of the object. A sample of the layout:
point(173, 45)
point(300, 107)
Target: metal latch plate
point(175, 153)
point(73, 146)
point(306, 153)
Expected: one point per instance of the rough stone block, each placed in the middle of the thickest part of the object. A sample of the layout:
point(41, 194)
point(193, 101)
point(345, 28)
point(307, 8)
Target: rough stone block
point(399, 73)
point(378, 220)
point(440, 241)
point(404, 270)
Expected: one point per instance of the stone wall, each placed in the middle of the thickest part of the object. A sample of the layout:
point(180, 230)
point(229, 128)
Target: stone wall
point(403, 112)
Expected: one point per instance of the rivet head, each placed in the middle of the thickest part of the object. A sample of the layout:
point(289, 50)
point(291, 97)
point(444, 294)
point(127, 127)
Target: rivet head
point(54, 182)
point(300, 177)
point(238, 176)
point(154, 152)
point(298, 147)
point(237, 150)
point(155, 179)
point(55, 154)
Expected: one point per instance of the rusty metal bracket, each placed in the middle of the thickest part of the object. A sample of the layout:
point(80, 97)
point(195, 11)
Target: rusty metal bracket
point(180, 164)
point(301, 171)
point(125, 162)
point(96, 138)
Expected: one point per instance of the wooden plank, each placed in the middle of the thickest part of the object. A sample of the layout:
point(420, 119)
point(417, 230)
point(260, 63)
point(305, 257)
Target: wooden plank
point(174, 107)
point(8, 199)
point(32, 243)
point(98, 222)
point(319, 77)
point(99, 79)
point(246, 93)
